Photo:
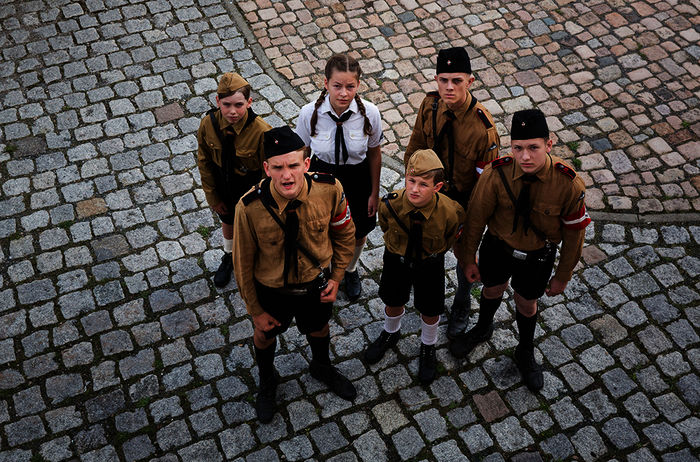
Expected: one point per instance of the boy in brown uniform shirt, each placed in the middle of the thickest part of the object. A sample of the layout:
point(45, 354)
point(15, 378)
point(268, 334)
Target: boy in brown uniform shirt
point(461, 131)
point(419, 226)
point(229, 157)
point(531, 202)
point(294, 237)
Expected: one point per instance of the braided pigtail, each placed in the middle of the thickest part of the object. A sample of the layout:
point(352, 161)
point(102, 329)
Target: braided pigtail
point(360, 105)
point(314, 116)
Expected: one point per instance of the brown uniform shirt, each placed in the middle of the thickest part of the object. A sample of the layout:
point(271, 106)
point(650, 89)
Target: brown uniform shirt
point(558, 211)
point(443, 221)
point(325, 230)
point(248, 143)
point(476, 141)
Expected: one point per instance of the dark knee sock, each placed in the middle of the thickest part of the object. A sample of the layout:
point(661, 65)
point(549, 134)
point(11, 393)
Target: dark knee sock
point(320, 347)
point(487, 310)
point(462, 295)
point(265, 359)
point(526, 330)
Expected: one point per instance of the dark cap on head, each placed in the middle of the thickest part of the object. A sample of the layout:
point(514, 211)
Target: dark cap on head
point(453, 60)
point(281, 140)
point(529, 124)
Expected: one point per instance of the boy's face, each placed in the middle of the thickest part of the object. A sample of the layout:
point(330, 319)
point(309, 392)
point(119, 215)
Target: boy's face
point(531, 154)
point(453, 87)
point(234, 106)
point(287, 173)
point(420, 190)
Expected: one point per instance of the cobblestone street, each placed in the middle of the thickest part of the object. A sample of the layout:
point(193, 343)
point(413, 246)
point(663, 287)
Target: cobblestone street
point(115, 343)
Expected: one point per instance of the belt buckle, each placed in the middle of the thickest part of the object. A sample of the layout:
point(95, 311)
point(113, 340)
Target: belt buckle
point(519, 254)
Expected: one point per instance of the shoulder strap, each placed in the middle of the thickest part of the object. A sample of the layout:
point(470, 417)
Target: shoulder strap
point(215, 124)
point(537, 231)
point(265, 201)
point(251, 117)
point(436, 100)
point(473, 103)
point(387, 201)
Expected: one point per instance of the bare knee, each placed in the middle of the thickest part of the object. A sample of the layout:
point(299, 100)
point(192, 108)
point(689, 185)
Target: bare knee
point(526, 307)
point(494, 291)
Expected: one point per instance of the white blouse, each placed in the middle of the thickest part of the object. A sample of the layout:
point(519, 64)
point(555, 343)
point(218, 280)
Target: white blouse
point(323, 144)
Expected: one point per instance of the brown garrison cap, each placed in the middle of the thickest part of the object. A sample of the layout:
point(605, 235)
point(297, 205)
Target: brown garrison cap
point(230, 82)
point(423, 161)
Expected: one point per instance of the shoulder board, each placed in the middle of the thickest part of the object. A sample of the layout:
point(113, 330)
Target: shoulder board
point(565, 169)
point(390, 196)
point(484, 118)
point(253, 195)
point(323, 178)
point(501, 161)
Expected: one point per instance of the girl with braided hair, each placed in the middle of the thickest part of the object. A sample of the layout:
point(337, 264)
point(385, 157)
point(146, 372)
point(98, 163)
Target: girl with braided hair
point(344, 133)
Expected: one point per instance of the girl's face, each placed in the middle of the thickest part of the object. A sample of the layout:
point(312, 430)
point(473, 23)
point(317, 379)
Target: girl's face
point(341, 87)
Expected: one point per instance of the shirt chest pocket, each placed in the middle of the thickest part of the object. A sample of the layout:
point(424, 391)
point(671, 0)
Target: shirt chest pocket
point(269, 236)
point(315, 230)
point(216, 150)
point(248, 158)
point(356, 141)
point(321, 143)
point(547, 215)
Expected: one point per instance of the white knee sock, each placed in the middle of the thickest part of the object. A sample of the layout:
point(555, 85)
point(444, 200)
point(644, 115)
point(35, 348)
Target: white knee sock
point(429, 332)
point(392, 325)
point(228, 245)
point(355, 258)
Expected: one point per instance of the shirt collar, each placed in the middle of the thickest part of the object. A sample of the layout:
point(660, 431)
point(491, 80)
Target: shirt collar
point(282, 201)
point(426, 211)
point(326, 107)
point(541, 174)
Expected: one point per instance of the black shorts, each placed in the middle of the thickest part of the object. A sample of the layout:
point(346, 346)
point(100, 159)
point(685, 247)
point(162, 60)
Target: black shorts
point(529, 276)
point(230, 192)
point(427, 278)
point(311, 315)
point(357, 185)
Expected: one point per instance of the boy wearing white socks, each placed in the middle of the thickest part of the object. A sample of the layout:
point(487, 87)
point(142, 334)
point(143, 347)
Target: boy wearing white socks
point(420, 225)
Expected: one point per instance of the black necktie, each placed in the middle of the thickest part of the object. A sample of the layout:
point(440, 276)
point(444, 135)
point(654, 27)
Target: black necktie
point(448, 131)
point(291, 231)
point(522, 204)
point(340, 137)
point(414, 249)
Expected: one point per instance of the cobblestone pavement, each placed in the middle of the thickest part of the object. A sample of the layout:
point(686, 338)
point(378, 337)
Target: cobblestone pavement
point(114, 343)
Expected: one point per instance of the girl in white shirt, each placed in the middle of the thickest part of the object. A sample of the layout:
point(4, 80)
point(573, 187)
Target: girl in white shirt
point(344, 133)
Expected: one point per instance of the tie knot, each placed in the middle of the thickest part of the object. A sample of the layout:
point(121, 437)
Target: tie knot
point(450, 115)
point(528, 179)
point(416, 216)
point(292, 206)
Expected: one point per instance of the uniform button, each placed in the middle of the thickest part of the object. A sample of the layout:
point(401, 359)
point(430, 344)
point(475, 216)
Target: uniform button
point(546, 212)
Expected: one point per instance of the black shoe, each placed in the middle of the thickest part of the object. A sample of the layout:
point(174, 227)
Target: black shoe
point(353, 286)
point(265, 406)
point(329, 375)
point(427, 364)
point(529, 369)
point(465, 343)
point(223, 273)
point(376, 350)
point(458, 320)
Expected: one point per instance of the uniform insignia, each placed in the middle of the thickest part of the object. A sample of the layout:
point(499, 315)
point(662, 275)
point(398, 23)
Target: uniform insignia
point(391, 196)
point(493, 146)
point(252, 196)
point(522, 124)
point(583, 194)
point(565, 169)
point(449, 62)
point(484, 118)
point(412, 172)
point(323, 178)
point(501, 161)
point(277, 142)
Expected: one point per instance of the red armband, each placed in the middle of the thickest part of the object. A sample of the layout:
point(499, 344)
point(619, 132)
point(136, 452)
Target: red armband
point(577, 220)
point(342, 219)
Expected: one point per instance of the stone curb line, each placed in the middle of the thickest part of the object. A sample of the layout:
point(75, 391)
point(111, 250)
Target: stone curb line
point(391, 163)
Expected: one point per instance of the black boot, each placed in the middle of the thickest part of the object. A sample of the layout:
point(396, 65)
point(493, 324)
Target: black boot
point(427, 364)
point(376, 350)
point(353, 286)
point(459, 312)
point(462, 345)
point(265, 405)
point(223, 273)
point(524, 354)
point(333, 379)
